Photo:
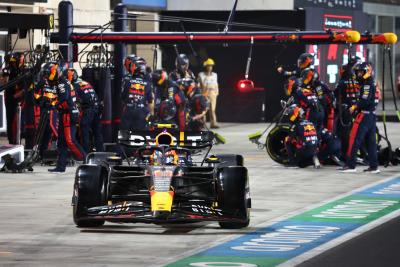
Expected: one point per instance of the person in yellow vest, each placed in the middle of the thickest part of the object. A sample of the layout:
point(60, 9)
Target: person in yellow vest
point(208, 81)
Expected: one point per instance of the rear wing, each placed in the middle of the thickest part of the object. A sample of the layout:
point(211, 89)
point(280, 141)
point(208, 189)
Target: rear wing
point(172, 137)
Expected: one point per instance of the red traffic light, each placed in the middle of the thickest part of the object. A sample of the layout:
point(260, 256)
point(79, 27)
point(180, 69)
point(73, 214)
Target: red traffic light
point(245, 85)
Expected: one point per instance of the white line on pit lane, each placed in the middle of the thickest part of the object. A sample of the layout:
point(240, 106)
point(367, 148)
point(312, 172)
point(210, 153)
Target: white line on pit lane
point(273, 221)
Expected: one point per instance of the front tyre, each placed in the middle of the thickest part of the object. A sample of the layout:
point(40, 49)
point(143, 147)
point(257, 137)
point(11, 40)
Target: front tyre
point(234, 195)
point(90, 190)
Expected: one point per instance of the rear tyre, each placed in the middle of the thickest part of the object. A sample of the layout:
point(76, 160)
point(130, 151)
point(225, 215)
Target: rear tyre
point(98, 157)
point(234, 195)
point(275, 143)
point(90, 190)
point(227, 160)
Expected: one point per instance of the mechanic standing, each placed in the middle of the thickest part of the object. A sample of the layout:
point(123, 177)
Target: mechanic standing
point(208, 81)
point(159, 78)
point(302, 142)
point(88, 103)
point(170, 100)
point(182, 68)
point(46, 101)
point(304, 61)
point(137, 96)
point(364, 125)
point(68, 116)
point(12, 95)
point(198, 105)
point(347, 93)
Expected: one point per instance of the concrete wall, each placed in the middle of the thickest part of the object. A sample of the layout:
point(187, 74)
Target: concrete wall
point(86, 12)
point(147, 51)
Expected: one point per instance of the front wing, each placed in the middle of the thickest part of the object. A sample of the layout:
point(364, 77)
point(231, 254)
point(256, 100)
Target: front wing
point(139, 212)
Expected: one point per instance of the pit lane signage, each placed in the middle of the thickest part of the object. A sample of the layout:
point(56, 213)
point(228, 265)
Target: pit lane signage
point(337, 22)
point(330, 4)
point(284, 240)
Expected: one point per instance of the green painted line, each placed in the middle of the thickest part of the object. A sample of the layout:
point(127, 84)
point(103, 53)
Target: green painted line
point(352, 209)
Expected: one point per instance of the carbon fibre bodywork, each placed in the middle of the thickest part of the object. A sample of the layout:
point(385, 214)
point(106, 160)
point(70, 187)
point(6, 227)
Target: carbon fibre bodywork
point(215, 189)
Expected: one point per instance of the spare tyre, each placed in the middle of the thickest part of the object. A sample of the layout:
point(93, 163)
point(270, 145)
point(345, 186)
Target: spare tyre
point(275, 143)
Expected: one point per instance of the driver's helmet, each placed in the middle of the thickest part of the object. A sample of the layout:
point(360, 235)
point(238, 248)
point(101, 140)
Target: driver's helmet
point(156, 158)
point(171, 157)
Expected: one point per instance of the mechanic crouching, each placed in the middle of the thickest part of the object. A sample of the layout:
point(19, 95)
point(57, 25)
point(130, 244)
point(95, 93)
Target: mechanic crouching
point(88, 102)
point(363, 130)
point(302, 142)
point(329, 148)
point(305, 97)
point(137, 96)
point(68, 116)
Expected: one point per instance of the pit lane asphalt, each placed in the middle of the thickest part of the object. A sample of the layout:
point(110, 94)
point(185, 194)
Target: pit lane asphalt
point(36, 227)
point(376, 248)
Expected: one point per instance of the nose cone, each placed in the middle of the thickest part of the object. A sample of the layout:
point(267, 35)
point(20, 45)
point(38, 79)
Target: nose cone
point(161, 201)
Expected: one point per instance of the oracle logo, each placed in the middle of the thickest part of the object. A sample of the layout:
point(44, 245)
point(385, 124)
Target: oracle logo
point(337, 22)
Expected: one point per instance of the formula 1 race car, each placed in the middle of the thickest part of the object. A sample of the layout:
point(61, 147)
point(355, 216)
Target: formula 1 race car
point(158, 180)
